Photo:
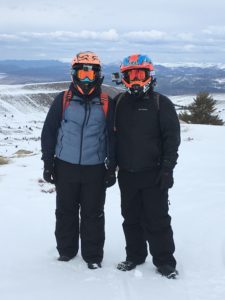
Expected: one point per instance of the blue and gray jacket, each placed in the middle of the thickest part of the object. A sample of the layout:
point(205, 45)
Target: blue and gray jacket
point(81, 134)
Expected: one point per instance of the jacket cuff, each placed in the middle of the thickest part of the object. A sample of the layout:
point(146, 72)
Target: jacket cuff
point(49, 163)
point(167, 165)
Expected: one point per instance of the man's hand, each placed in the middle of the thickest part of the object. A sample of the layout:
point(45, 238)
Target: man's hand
point(165, 179)
point(49, 172)
point(110, 178)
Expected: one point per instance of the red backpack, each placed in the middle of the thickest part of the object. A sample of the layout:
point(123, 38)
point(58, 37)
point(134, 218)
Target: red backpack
point(68, 96)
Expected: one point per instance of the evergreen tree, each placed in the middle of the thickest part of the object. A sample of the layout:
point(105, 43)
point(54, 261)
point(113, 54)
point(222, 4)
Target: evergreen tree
point(202, 111)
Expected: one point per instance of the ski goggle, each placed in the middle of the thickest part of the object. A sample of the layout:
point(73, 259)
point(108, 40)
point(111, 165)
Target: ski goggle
point(136, 74)
point(86, 73)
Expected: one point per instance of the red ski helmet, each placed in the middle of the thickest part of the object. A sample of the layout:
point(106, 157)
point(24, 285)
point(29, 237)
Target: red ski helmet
point(138, 73)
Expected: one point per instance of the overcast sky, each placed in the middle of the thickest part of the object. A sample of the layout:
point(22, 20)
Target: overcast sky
point(169, 31)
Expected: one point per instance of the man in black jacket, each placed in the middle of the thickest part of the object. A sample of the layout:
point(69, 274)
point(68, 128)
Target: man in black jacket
point(78, 153)
point(147, 141)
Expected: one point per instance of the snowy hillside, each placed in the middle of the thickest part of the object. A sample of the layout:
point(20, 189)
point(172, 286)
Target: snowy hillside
point(23, 109)
point(29, 269)
point(28, 259)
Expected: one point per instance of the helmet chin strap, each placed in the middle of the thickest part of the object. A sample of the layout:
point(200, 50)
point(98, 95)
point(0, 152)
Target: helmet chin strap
point(138, 91)
point(86, 91)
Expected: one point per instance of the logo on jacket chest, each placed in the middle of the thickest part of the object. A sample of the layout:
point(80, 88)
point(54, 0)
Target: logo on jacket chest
point(143, 106)
point(143, 109)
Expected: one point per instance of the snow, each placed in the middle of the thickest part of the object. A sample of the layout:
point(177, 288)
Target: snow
point(220, 80)
point(220, 66)
point(28, 258)
point(2, 75)
point(26, 89)
point(184, 100)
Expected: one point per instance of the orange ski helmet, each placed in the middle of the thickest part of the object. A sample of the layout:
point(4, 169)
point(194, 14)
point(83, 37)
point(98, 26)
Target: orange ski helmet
point(87, 58)
point(86, 72)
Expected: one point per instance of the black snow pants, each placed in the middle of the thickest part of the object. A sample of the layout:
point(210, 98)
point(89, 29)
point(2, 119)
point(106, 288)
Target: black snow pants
point(145, 211)
point(80, 199)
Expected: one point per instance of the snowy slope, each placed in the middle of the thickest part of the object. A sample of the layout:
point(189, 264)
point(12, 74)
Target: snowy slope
point(28, 265)
point(28, 259)
point(184, 100)
point(23, 109)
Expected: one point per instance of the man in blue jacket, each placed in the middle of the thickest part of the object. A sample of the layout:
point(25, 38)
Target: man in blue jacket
point(78, 153)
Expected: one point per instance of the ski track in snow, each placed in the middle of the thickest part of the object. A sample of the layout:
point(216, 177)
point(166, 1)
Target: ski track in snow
point(28, 259)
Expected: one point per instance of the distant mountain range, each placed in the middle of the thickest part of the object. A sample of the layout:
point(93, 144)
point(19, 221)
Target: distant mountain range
point(171, 80)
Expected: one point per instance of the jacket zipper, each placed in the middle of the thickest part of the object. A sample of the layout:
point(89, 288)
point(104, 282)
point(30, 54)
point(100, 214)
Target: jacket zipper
point(61, 145)
point(82, 131)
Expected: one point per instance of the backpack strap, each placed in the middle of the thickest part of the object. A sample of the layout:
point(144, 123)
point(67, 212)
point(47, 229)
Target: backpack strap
point(156, 101)
point(156, 97)
point(117, 103)
point(105, 102)
point(67, 96)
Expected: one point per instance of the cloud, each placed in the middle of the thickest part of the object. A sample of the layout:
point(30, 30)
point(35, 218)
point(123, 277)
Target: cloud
point(216, 30)
point(187, 36)
point(113, 44)
point(144, 36)
point(159, 37)
point(189, 47)
point(110, 35)
point(11, 37)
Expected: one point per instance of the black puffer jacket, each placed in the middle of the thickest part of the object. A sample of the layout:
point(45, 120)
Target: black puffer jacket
point(147, 132)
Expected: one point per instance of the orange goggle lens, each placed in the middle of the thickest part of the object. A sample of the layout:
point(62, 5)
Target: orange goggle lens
point(82, 74)
point(136, 75)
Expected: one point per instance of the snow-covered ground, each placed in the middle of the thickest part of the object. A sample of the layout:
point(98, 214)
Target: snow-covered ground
point(184, 100)
point(28, 259)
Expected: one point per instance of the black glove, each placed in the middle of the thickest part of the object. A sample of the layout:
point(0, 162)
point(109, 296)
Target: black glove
point(110, 178)
point(165, 179)
point(49, 171)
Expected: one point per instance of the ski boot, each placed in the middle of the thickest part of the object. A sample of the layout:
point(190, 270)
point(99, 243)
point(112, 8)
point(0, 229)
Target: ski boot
point(93, 266)
point(126, 265)
point(167, 271)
